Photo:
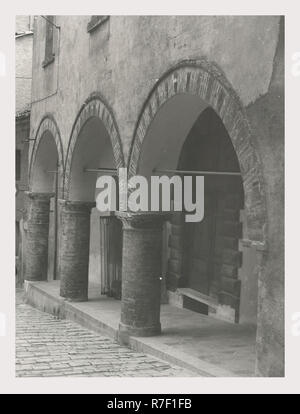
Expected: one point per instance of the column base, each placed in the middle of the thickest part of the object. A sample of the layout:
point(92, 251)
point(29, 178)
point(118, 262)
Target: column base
point(126, 330)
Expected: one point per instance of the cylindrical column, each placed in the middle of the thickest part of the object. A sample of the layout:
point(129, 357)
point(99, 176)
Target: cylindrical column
point(73, 260)
point(37, 234)
point(141, 273)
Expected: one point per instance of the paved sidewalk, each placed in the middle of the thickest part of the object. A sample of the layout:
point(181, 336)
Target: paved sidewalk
point(47, 346)
point(202, 344)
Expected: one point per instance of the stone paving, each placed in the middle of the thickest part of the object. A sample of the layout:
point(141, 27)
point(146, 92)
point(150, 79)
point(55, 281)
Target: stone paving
point(50, 347)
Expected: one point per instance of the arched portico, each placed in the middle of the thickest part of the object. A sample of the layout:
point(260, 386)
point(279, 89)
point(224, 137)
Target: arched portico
point(94, 143)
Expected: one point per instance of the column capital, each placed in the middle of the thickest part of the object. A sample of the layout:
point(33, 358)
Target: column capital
point(76, 206)
point(142, 220)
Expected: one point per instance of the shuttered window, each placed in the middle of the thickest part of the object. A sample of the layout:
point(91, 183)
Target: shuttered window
point(49, 53)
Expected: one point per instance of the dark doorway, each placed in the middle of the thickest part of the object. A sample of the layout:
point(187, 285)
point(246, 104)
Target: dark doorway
point(211, 256)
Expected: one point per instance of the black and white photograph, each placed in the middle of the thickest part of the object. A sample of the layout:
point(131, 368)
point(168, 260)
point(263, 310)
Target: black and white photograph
point(149, 202)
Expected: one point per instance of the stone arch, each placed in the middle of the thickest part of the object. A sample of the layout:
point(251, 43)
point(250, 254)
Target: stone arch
point(95, 106)
point(47, 127)
point(205, 80)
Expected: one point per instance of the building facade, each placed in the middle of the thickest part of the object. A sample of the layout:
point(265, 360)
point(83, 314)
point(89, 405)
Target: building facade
point(161, 94)
point(24, 40)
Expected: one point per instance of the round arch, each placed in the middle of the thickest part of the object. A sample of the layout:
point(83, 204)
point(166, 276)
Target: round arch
point(47, 146)
point(94, 107)
point(204, 80)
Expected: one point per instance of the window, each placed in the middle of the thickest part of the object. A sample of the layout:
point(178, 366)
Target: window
point(49, 54)
point(95, 22)
point(18, 165)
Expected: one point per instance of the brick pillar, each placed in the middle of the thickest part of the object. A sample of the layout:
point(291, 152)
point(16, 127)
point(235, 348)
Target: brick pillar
point(73, 260)
point(141, 273)
point(37, 225)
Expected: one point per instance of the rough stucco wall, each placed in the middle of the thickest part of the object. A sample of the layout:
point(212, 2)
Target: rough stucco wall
point(124, 57)
point(267, 119)
point(23, 23)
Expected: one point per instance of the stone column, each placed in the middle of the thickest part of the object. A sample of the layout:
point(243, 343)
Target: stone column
point(141, 273)
point(37, 234)
point(73, 260)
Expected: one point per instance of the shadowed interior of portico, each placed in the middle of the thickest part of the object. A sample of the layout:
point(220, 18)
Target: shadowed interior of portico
point(214, 347)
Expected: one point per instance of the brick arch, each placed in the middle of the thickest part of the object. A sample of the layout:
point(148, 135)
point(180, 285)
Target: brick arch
point(205, 80)
point(95, 106)
point(48, 124)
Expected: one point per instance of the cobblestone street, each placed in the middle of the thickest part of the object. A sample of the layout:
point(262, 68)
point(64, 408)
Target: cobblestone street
point(47, 346)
